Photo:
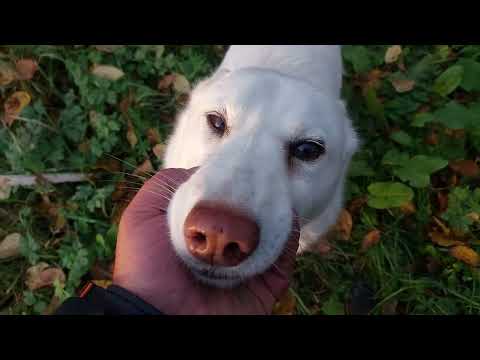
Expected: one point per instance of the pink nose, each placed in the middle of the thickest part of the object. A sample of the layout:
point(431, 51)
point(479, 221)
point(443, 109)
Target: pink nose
point(219, 235)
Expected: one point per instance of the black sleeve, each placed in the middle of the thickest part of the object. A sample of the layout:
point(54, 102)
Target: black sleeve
point(114, 300)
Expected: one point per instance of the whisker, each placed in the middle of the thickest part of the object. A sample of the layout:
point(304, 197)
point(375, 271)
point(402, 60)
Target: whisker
point(142, 189)
point(155, 180)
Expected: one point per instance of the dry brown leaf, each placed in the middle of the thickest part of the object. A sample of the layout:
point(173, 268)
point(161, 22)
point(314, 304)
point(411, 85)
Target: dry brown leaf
point(26, 69)
point(465, 167)
point(108, 48)
point(474, 217)
point(166, 82)
point(443, 240)
point(5, 188)
point(14, 106)
point(286, 305)
point(431, 138)
point(145, 168)
point(403, 85)
point(466, 255)
point(131, 137)
point(42, 275)
point(357, 204)
point(408, 208)
point(153, 136)
point(10, 246)
point(181, 84)
point(442, 226)
point(344, 225)
point(111, 165)
point(442, 200)
point(159, 150)
point(7, 74)
point(108, 72)
point(370, 240)
point(393, 54)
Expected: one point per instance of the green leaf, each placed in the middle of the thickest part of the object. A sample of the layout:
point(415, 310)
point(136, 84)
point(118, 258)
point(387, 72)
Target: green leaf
point(402, 138)
point(395, 157)
point(385, 195)
point(421, 119)
point(358, 56)
point(454, 116)
point(374, 106)
point(333, 307)
point(449, 80)
point(471, 74)
point(360, 168)
point(417, 170)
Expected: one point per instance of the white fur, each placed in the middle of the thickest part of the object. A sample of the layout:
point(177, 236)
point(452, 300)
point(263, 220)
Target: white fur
point(272, 94)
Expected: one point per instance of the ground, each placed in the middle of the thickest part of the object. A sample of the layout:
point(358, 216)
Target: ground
point(408, 237)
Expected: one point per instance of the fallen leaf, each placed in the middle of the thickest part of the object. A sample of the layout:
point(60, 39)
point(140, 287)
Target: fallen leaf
point(7, 74)
point(466, 255)
point(131, 137)
point(42, 275)
point(181, 84)
point(390, 308)
point(108, 48)
point(408, 208)
point(10, 246)
point(393, 54)
point(370, 240)
point(286, 305)
point(403, 85)
point(442, 226)
point(166, 82)
point(443, 240)
point(26, 69)
point(14, 106)
point(111, 165)
point(159, 150)
point(153, 136)
point(84, 147)
point(474, 217)
point(5, 188)
point(467, 168)
point(107, 72)
point(344, 225)
point(357, 204)
point(145, 168)
point(431, 138)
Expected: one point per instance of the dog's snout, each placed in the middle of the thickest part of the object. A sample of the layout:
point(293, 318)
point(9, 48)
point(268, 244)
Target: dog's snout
point(219, 235)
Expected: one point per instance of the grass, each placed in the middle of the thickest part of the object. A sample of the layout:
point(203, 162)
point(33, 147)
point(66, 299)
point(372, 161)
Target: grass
point(418, 117)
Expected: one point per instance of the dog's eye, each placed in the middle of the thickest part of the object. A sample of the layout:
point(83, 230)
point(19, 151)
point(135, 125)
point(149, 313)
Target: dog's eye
point(217, 123)
point(308, 150)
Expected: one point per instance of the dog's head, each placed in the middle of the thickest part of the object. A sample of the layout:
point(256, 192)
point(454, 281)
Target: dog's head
point(267, 146)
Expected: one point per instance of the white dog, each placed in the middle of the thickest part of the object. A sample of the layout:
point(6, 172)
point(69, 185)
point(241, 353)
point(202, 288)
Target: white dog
point(271, 136)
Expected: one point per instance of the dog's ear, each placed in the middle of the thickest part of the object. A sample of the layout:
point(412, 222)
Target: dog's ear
point(219, 74)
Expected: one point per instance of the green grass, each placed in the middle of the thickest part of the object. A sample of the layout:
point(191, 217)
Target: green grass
point(75, 121)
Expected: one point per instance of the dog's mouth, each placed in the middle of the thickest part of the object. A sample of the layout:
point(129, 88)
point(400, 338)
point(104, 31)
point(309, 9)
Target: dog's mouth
point(216, 278)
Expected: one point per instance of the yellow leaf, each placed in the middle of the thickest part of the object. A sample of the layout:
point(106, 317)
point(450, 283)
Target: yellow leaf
point(131, 137)
point(5, 188)
point(181, 84)
point(403, 85)
point(286, 305)
point(108, 72)
point(7, 74)
point(466, 255)
point(159, 150)
point(443, 240)
point(14, 106)
point(10, 246)
point(42, 275)
point(393, 53)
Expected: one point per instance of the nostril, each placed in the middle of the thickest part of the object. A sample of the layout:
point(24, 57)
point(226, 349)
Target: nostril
point(233, 252)
point(199, 241)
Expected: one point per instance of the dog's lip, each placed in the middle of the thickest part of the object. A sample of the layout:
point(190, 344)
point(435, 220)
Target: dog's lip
point(209, 274)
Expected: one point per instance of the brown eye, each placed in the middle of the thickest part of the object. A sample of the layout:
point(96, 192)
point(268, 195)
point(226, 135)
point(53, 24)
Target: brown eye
point(307, 150)
point(217, 123)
